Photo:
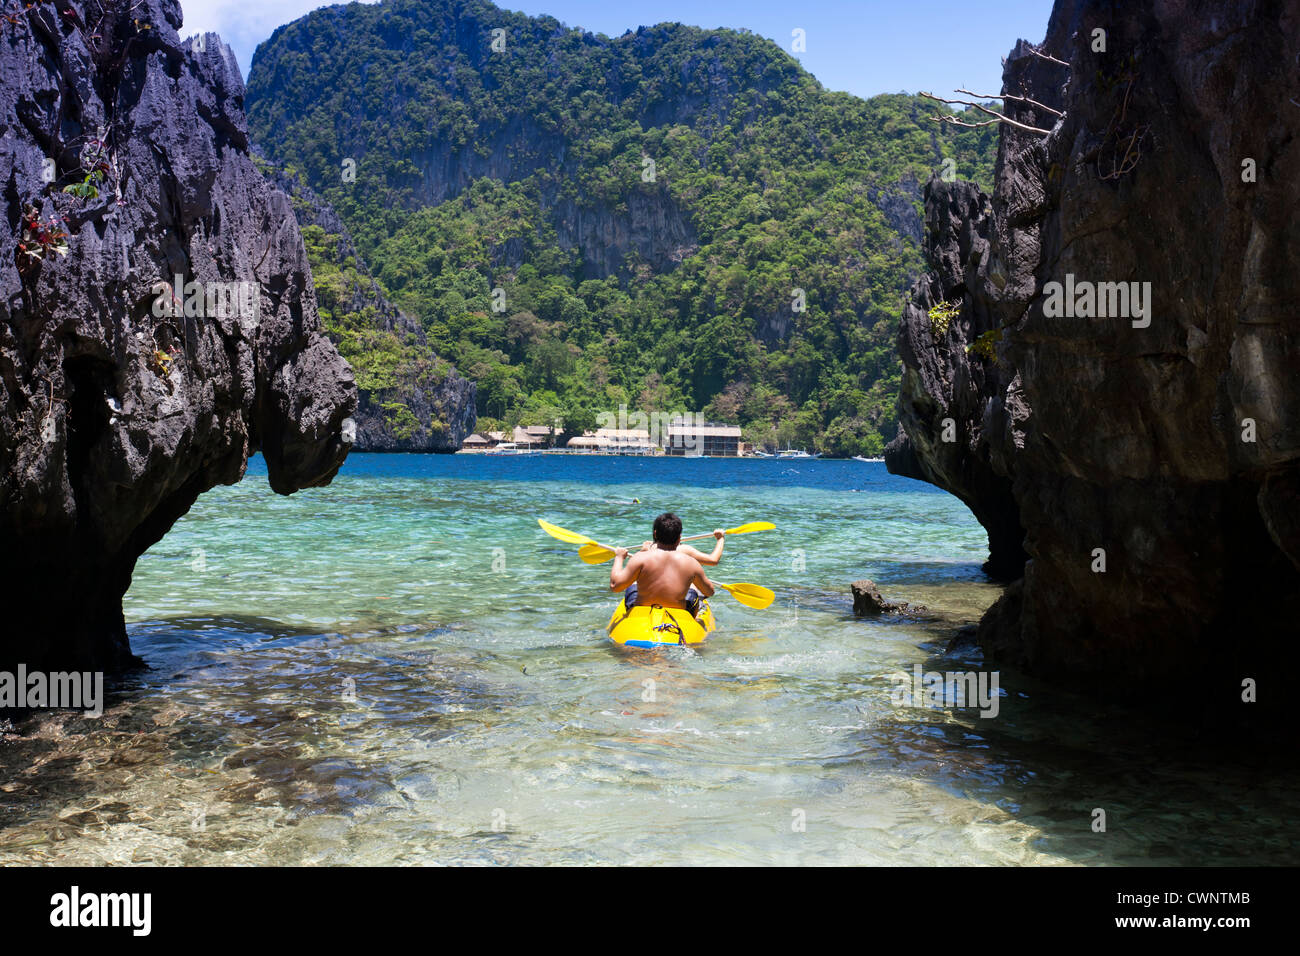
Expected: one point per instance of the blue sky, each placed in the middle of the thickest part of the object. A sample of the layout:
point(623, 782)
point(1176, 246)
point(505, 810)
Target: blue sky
point(864, 47)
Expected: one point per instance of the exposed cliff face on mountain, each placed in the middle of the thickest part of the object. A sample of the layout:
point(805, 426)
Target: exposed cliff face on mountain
point(680, 219)
point(411, 400)
point(1157, 474)
point(652, 230)
point(124, 163)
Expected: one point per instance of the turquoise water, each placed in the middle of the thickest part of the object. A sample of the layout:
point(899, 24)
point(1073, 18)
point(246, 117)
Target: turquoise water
point(402, 668)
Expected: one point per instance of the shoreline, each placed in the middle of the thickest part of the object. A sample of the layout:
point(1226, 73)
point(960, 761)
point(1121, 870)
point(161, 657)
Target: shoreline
point(615, 454)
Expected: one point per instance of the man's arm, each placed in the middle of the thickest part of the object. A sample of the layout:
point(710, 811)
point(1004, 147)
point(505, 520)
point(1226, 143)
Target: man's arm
point(702, 583)
point(620, 577)
point(709, 559)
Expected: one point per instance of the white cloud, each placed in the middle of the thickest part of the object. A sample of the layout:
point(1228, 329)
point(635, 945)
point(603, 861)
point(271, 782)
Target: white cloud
point(243, 24)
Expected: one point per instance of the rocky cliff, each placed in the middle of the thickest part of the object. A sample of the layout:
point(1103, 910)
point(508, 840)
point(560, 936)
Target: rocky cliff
point(128, 392)
point(961, 414)
point(1137, 391)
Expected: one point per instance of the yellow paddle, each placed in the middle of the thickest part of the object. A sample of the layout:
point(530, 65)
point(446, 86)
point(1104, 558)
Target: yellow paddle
point(555, 531)
point(750, 595)
point(593, 553)
point(563, 534)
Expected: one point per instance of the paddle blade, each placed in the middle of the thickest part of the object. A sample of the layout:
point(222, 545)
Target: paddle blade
point(752, 526)
point(569, 537)
point(750, 595)
point(594, 554)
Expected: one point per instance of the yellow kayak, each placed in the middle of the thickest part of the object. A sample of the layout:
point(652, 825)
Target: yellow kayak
point(655, 626)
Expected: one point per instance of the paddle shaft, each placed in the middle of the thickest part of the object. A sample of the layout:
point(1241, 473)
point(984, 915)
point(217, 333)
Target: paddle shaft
point(751, 595)
point(693, 537)
point(603, 552)
point(743, 529)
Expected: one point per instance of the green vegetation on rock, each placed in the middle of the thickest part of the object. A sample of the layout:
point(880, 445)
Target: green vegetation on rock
point(941, 316)
point(675, 219)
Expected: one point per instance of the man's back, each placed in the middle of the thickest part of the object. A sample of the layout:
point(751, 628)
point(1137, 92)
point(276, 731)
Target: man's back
point(661, 573)
point(663, 577)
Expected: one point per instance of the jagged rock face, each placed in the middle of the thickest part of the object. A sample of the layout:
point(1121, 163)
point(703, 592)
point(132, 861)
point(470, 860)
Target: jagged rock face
point(449, 403)
point(443, 410)
point(897, 203)
point(653, 231)
point(1173, 446)
point(962, 411)
point(113, 418)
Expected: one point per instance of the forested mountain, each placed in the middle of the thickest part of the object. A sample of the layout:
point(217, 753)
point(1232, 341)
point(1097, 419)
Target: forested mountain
point(411, 399)
point(676, 219)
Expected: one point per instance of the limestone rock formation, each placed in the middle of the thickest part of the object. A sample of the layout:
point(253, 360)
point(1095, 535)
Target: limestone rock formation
point(123, 164)
point(1153, 446)
point(960, 413)
point(653, 230)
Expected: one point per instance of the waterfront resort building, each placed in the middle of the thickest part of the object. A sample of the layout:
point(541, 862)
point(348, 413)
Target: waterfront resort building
point(689, 438)
point(627, 441)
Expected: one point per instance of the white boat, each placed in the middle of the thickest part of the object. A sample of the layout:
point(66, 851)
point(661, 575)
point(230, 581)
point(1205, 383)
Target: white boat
point(860, 458)
point(510, 448)
point(792, 453)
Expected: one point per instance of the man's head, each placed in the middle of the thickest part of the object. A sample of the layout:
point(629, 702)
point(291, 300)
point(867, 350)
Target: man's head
point(668, 530)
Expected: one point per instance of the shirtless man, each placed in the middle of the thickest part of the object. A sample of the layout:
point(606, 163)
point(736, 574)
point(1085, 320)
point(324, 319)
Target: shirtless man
point(663, 573)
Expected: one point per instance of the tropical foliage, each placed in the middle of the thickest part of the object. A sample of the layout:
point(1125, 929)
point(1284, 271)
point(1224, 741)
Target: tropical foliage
point(674, 219)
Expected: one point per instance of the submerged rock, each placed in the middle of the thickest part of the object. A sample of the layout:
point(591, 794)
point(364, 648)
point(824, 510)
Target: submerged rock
point(1152, 447)
point(124, 163)
point(868, 602)
point(964, 638)
point(867, 599)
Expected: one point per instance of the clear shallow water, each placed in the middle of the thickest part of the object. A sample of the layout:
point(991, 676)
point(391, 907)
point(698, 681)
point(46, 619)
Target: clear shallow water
point(402, 668)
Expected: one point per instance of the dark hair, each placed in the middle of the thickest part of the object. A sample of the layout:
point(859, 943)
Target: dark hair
point(668, 529)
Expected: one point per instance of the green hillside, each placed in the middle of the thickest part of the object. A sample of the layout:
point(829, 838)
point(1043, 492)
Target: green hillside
point(646, 206)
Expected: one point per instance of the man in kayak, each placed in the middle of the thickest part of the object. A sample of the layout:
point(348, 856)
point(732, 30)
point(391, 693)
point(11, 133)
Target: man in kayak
point(663, 573)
